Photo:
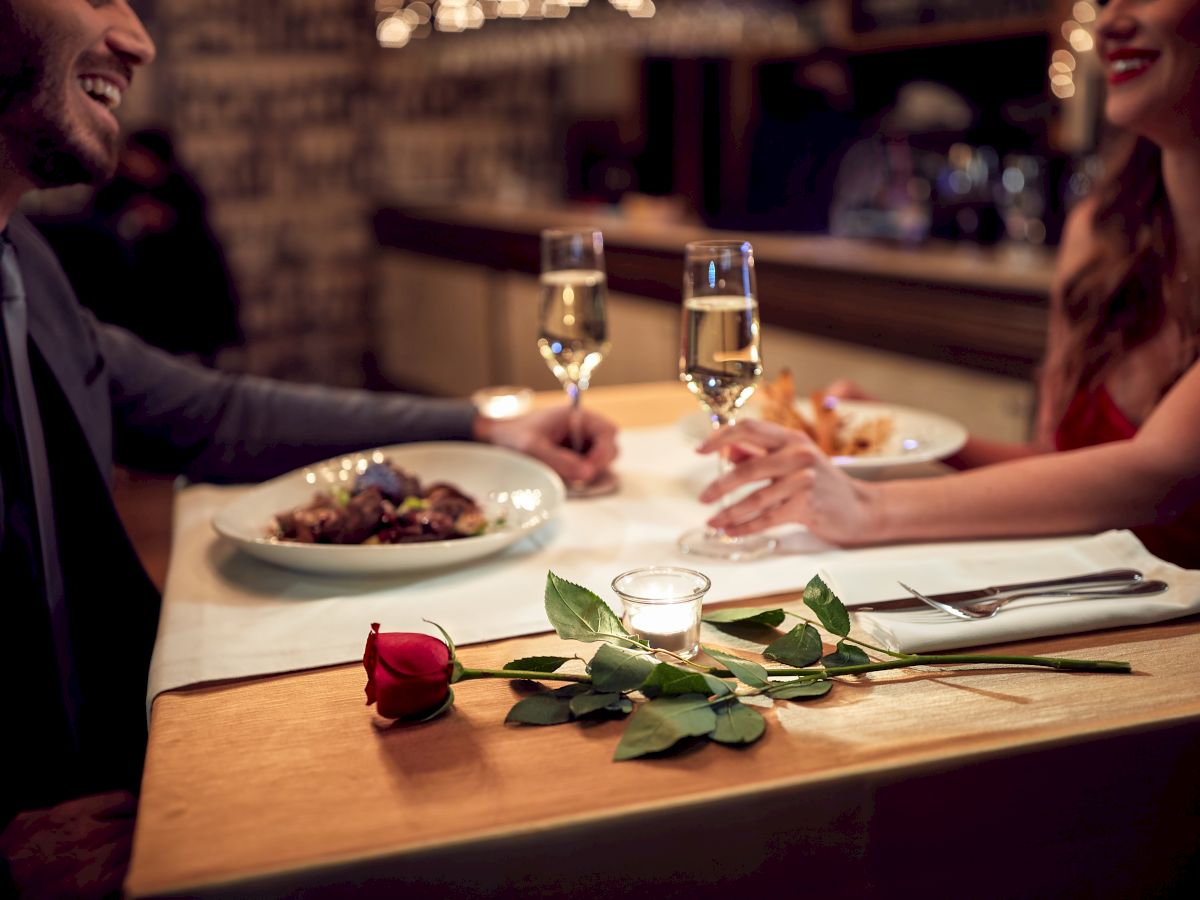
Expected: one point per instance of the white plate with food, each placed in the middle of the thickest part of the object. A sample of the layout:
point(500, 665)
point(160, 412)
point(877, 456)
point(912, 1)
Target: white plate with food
point(394, 509)
point(858, 435)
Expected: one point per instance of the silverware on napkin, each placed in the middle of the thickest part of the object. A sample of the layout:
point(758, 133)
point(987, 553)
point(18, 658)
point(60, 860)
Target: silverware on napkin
point(986, 609)
point(1107, 578)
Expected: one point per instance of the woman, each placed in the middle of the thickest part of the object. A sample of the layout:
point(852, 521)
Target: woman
point(1118, 438)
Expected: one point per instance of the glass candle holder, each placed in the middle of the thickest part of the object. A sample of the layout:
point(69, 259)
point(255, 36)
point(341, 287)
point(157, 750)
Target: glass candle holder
point(662, 606)
point(504, 401)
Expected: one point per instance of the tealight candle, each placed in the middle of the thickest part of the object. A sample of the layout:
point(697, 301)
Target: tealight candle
point(662, 605)
point(502, 402)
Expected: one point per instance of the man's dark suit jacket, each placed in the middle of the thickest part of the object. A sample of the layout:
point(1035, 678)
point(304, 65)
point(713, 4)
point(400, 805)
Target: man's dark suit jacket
point(105, 396)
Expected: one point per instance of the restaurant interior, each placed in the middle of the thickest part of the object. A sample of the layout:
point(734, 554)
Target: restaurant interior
point(369, 180)
point(305, 124)
point(334, 143)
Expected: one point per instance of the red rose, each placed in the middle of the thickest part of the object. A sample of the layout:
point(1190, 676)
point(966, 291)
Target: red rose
point(408, 675)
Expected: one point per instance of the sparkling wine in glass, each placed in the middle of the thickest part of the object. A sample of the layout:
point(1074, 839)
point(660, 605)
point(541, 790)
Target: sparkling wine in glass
point(720, 359)
point(573, 323)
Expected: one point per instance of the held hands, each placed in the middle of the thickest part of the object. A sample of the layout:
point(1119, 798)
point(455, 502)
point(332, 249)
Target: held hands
point(803, 487)
point(546, 434)
point(79, 848)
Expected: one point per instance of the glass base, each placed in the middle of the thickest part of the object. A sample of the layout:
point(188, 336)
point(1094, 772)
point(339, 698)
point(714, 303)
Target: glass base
point(606, 483)
point(717, 544)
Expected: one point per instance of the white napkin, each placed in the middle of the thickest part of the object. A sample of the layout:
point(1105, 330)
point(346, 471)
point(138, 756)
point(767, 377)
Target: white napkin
point(226, 615)
point(939, 569)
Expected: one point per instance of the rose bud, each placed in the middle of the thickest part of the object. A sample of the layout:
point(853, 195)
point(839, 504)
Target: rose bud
point(408, 675)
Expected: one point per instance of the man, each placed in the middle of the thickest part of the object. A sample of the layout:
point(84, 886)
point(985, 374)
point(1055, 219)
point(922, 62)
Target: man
point(79, 614)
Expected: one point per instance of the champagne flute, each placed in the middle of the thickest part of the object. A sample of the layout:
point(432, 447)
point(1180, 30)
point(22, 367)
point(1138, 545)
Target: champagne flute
point(573, 324)
point(720, 360)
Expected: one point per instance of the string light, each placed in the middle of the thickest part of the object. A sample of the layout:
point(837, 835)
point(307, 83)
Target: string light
point(398, 22)
point(1077, 33)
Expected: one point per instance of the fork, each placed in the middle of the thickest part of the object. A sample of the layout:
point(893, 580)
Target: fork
point(985, 609)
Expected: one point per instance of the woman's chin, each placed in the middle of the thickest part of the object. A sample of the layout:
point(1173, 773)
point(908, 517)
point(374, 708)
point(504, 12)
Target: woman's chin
point(1135, 118)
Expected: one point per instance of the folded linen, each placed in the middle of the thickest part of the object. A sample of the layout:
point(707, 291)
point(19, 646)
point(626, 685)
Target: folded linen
point(939, 569)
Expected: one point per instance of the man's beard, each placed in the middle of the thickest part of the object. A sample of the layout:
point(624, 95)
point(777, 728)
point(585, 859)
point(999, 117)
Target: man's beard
point(42, 139)
point(54, 161)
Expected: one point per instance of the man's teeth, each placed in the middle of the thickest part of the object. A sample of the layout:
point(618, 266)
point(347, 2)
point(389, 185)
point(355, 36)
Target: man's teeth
point(1128, 65)
point(104, 91)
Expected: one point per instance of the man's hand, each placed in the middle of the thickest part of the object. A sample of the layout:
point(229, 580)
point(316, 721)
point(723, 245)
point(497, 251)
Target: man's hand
point(546, 435)
point(76, 849)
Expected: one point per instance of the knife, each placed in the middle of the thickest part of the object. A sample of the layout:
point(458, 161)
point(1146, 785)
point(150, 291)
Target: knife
point(1107, 578)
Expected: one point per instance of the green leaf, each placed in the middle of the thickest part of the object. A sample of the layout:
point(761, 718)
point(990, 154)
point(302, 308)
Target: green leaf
point(658, 725)
point(743, 670)
point(799, 647)
point(614, 669)
point(456, 671)
point(571, 690)
point(801, 689)
point(829, 609)
point(845, 655)
point(670, 681)
point(738, 724)
point(579, 615)
point(541, 709)
point(746, 615)
point(539, 663)
point(595, 701)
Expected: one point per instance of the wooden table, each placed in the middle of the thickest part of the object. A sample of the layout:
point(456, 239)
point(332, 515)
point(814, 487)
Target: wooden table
point(1002, 783)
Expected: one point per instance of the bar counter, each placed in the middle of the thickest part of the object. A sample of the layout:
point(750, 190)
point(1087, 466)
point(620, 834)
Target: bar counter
point(961, 304)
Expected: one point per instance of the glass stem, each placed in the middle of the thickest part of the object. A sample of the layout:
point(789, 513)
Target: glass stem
point(575, 420)
point(723, 466)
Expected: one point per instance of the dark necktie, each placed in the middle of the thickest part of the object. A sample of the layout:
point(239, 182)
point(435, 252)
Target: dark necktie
point(15, 316)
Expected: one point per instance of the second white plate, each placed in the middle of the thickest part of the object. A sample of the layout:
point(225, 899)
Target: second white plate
point(917, 436)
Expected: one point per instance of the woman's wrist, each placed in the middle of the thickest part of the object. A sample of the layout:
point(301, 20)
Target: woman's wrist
point(882, 504)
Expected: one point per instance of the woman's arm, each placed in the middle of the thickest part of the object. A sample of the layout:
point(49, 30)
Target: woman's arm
point(1149, 478)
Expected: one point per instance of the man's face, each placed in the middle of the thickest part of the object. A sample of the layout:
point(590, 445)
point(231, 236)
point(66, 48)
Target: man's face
point(64, 67)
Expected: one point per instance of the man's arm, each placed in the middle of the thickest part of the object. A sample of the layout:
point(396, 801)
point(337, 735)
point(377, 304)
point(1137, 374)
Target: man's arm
point(173, 416)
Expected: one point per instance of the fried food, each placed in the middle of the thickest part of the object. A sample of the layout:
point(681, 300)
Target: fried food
point(778, 404)
point(827, 426)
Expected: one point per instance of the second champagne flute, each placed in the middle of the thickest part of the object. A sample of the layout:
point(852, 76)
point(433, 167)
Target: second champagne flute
point(573, 323)
point(720, 359)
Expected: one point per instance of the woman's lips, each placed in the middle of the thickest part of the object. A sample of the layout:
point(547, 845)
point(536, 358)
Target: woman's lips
point(1126, 64)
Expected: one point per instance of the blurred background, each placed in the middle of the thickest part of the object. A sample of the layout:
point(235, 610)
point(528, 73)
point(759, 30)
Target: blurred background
point(292, 161)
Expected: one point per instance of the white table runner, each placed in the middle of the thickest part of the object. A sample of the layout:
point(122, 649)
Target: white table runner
point(226, 615)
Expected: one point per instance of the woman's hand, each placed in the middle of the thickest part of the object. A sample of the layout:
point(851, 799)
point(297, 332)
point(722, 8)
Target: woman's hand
point(804, 487)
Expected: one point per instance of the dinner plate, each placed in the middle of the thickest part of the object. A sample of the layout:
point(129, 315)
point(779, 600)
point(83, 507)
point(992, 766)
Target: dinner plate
point(917, 436)
point(521, 492)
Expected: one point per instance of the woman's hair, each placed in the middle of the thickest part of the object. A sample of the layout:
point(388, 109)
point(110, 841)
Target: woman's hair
point(1116, 300)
